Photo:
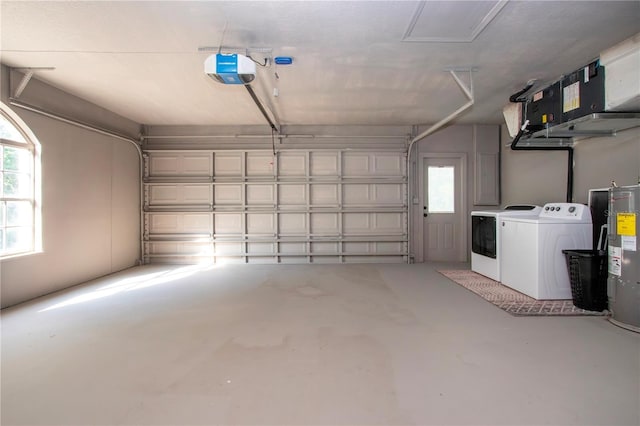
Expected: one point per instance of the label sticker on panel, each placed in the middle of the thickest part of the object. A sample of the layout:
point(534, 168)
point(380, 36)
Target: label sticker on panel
point(571, 97)
point(629, 243)
point(615, 260)
point(626, 224)
point(538, 96)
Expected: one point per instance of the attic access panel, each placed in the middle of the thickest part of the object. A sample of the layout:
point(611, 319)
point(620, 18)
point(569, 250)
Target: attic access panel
point(451, 21)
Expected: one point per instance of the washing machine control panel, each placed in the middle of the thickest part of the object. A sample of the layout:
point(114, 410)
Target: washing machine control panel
point(569, 211)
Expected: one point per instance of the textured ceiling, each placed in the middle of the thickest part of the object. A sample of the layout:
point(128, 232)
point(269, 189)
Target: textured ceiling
point(362, 62)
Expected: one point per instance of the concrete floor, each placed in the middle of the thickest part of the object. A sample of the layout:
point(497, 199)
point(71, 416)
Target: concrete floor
point(312, 344)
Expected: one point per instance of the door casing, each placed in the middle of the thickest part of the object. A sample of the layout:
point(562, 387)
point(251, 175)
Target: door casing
point(419, 231)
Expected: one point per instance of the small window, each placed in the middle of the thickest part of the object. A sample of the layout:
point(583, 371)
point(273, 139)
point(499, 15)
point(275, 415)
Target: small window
point(441, 184)
point(18, 205)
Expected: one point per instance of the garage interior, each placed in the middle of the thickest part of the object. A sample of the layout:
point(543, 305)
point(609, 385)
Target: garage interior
point(198, 256)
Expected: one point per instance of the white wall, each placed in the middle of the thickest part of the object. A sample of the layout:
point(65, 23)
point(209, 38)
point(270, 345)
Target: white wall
point(90, 208)
point(539, 177)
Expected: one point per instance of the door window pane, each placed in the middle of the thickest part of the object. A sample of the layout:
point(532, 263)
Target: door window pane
point(441, 184)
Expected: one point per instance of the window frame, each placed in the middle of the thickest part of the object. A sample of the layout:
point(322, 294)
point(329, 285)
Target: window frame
point(32, 146)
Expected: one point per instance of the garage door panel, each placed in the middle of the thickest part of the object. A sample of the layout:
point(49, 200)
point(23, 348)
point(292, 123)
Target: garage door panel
point(356, 247)
point(261, 248)
point(258, 194)
point(388, 194)
point(292, 195)
point(324, 223)
point(357, 223)
point(324, 163)
point(228, 223)
point(325, 259)
point(228, 164)
point(228, 194)
point(176, 223)
point(302, 206)
point(324, 194)
point(292, 223)
point(164, 194)
point(292, 164)
point(261, 260)
point(197, 165)
point(393, 248)
point(161, 223)
point(180, 248)
point(259, 164)
point(187, 164)
point(163, 165)
point(373, 194)
point(373, 223)
point(355, 164)
point(260, 223)
point(171, 194)
point(230, 260)
point(388, 164)
point(389, 222)
point(356, 194)
point(198, 223)
point(388, 247)
point(373, 259)
point(293, 248)
point(197, 194)
point(228, 249)
point(295, 260)
point(325, 247)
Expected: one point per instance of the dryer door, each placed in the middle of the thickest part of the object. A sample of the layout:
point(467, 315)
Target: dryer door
point(483, 236)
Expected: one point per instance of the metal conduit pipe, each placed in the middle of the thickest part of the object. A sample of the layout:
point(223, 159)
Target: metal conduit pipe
point(104, 132)
point(469, 94)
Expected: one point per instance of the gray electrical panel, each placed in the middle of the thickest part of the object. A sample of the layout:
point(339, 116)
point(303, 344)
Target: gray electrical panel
point(623, 284)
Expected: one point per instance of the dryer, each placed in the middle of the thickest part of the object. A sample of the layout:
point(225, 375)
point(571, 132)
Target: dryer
point(485, 237)
point(532, 259)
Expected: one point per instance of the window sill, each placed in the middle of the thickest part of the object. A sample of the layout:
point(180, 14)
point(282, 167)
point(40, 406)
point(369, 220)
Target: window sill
point(19, 255)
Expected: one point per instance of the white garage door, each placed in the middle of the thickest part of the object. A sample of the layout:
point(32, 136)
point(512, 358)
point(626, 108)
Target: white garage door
point(299, 206)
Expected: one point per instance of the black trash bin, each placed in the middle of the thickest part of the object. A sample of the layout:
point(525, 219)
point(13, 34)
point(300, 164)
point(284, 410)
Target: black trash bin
point(588, 277)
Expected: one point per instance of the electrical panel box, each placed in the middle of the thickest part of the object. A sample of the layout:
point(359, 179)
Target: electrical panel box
point(544, 108)
point(583, 92)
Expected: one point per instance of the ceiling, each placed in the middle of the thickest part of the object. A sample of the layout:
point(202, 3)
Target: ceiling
point(354, 62)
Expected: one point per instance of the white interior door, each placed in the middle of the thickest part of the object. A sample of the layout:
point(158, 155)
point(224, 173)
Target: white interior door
point(443, 209)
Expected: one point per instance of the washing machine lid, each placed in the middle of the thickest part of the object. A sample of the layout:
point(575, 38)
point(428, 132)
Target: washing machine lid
point(511, 210)
point(564, 213)
point(518, 211)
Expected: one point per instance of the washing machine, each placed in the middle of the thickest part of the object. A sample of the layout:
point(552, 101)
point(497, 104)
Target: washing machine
point(532, 259)
point(485, 237)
